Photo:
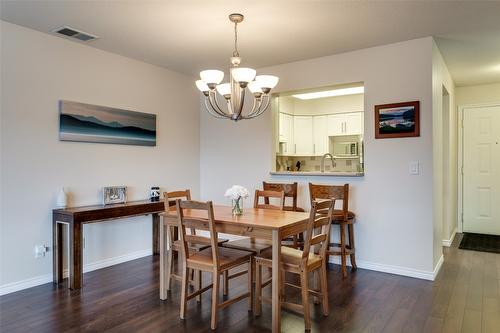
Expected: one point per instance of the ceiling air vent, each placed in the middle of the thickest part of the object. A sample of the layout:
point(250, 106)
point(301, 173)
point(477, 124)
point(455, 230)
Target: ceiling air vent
point(65, 31)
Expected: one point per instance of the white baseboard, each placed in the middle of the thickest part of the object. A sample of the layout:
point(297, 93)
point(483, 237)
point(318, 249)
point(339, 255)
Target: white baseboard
point(398, 270)
point(438, 267)
point(447, 242)
point(42, 279)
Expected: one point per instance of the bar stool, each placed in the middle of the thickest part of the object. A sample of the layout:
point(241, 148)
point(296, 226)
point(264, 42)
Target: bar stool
point(341, 217)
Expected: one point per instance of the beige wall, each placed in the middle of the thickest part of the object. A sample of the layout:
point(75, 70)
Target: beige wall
point(479, 94)
point(394, 230)
point(37, 70)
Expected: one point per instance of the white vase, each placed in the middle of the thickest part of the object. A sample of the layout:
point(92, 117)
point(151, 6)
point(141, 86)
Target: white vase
point(62, 199)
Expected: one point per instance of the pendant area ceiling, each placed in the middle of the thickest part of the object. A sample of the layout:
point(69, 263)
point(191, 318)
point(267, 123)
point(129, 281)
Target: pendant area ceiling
point(188, 35)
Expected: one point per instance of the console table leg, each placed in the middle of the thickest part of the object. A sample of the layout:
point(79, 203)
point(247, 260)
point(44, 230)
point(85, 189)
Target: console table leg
point(76, 256)
point(57, 250)
point(156, 235)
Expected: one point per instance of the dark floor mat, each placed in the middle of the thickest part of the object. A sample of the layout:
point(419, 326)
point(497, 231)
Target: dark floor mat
point(480, 242)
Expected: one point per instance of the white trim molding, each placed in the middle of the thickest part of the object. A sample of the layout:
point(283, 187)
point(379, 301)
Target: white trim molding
point(391, 269)
point(448, 242)
point(438, 267)
point(42, 279)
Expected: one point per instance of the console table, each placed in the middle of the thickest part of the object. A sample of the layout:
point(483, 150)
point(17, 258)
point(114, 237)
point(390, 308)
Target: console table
point(75, 217)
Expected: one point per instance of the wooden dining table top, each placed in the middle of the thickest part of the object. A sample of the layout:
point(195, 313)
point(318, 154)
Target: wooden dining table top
point(251, 217)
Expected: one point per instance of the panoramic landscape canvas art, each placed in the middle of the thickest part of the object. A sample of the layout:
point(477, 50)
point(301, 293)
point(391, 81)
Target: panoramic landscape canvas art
point(397, 120)
point(100, 124)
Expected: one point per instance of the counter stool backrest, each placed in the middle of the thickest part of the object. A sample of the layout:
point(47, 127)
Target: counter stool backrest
point(337, 192)
point(289, 189)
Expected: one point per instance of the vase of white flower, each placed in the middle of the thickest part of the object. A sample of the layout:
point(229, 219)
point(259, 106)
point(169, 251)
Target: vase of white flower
point(237, 193)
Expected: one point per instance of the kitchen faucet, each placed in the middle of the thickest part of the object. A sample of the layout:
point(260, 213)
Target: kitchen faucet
point(323, 161)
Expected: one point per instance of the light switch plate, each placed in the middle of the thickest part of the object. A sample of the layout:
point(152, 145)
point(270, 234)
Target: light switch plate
point(414, 168)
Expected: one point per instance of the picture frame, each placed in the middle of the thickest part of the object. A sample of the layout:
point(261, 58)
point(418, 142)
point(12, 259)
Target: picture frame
point(114, 195)
point(397, 120)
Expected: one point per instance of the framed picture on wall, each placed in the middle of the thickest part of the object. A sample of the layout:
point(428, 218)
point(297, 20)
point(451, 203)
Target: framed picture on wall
point(397, 120)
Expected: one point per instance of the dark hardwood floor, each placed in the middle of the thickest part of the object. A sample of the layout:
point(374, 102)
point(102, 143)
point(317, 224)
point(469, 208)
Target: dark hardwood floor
point(124, 298)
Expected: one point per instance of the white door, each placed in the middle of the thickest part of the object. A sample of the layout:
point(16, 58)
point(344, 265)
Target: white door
point(303, 135)
point(481, 173)
point(320, 135)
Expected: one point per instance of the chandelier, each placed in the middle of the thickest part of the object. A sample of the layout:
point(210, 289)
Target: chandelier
point(234, 91)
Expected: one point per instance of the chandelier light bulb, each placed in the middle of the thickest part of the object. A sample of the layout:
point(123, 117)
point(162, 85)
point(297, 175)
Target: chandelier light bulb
point(224, 89)
point(267, 81)
point(202, 86)
point(212, 76)
point(243, 74)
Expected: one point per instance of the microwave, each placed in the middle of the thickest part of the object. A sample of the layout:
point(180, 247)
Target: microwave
point(345, 149)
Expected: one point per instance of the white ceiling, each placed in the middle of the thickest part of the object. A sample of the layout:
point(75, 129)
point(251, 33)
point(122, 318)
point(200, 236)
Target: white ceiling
point(188, 35)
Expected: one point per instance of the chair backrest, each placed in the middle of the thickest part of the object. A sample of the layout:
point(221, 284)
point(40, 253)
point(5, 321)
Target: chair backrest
point(337, 192)
point(317, 236)
point(169, 199)
point(198, 223)
point(280, 195)
point(173, 195)
point(289, 189)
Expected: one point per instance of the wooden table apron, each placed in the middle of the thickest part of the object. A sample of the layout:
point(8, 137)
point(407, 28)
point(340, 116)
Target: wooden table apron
point(281, 224)
point(75, 217)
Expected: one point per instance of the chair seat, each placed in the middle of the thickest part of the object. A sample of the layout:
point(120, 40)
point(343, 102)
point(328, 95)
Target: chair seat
point(256, 246)
point(290, 209)
point(227, 257)
point(177, 245)
point(289, 256)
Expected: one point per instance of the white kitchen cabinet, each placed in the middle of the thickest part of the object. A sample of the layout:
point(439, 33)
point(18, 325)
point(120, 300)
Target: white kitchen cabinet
point(303, 135)
point(335, 124)
point(353, 123)
point(286, 132)
point(320, 135)
point(345, 124)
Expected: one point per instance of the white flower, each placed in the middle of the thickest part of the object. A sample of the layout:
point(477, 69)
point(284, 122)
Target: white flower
point(236, 192)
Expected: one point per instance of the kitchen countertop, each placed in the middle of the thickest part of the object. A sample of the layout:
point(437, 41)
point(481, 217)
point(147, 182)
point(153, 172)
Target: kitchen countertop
point(318, 173)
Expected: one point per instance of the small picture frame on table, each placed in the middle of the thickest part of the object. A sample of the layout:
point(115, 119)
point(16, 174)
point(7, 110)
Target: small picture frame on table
point(114, 195)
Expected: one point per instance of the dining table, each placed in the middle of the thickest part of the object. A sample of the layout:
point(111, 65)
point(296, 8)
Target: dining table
point(265, 224)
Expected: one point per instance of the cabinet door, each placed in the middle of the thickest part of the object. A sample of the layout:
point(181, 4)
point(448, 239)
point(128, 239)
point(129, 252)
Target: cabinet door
point(303, 135)
point(353, 123)
point(282, 125)
point(320, 135)
point(335, 124)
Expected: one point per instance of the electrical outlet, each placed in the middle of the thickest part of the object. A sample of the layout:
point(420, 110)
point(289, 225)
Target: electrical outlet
point(41, 250)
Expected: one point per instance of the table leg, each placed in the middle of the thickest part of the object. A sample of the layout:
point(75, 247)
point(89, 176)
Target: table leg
point(75, 256)
point(163, 248)
point(156, 235)
point(276, 283)
point(57, 250)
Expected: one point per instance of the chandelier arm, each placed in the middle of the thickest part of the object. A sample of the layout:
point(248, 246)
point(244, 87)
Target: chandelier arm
point(216, 107)
point(242, 103)
point(261, 109)
point(257, 102)
point(211, 110)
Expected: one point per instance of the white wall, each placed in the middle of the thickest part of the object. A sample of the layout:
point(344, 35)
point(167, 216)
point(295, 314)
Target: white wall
point(394, 230)
point(480, 94)
point(445, 147)
point(37, 70)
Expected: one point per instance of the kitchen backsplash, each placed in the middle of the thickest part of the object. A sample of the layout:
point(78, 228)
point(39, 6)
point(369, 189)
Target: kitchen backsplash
point(313, 163)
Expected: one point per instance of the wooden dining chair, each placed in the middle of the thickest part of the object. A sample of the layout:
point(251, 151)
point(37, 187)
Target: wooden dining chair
point(291, 191)
point(344, 218)
point(311, 259)
point(253, 245)
point(213, 259)
point(174, 244)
